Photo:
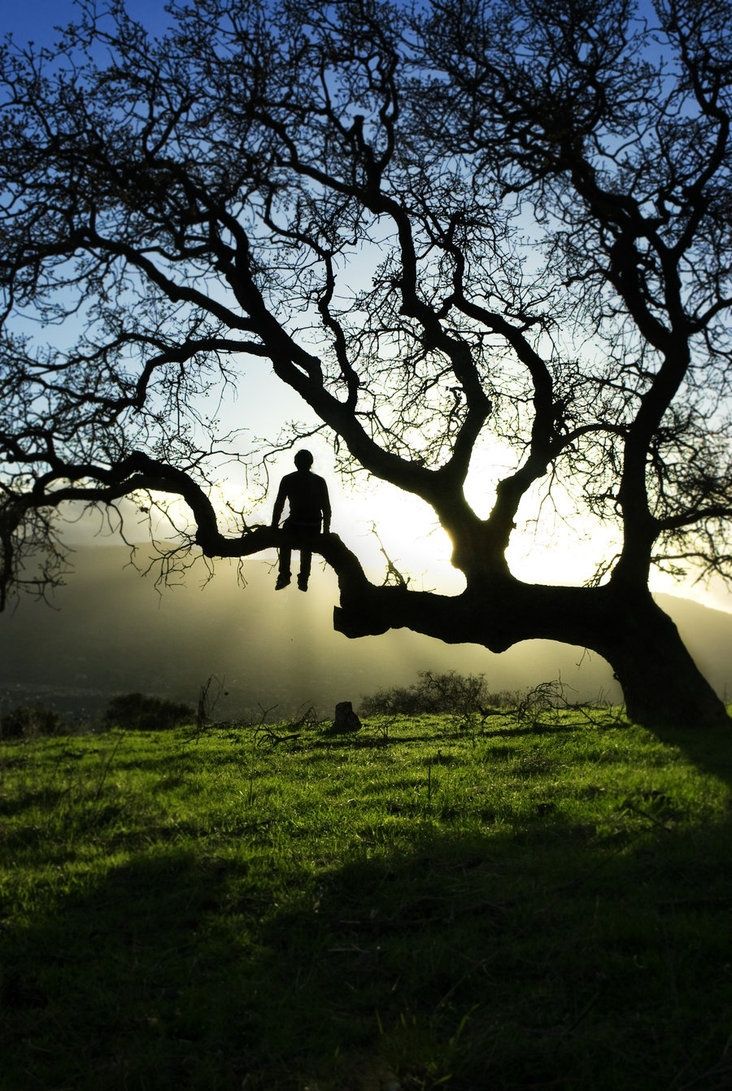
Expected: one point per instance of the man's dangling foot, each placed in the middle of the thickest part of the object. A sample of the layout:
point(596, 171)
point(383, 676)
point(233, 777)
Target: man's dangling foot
point(282, 581)
point(302, 583)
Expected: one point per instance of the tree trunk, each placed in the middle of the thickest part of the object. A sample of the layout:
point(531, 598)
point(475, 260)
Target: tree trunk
point(661, 683)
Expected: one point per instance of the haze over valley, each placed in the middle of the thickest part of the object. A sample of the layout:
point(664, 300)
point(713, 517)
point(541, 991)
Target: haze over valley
point(112, 632)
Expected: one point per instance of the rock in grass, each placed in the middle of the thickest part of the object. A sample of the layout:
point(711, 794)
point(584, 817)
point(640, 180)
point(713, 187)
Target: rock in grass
point(346, 721)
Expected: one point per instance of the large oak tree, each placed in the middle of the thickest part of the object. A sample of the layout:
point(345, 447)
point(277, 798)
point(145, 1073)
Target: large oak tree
point(476, 221)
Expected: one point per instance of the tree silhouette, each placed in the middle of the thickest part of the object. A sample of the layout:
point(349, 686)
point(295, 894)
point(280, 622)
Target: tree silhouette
point(490, 219)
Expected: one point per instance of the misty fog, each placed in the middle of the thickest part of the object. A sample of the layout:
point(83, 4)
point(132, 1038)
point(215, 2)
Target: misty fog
point(110, 631)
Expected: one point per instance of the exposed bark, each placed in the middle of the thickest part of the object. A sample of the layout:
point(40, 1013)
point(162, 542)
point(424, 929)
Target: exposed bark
point(661, 683)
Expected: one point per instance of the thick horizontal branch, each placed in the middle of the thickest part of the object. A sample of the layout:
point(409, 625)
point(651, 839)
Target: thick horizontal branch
point(495, 612)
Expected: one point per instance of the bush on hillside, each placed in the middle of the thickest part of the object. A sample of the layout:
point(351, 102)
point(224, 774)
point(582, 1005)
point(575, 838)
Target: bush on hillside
point(432, 692)
point(138, 712)
point(29, 721)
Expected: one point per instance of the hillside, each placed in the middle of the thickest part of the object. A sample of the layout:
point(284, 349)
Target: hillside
point(112, 632)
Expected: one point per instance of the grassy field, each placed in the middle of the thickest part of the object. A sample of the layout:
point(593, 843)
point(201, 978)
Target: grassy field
point(414, 907)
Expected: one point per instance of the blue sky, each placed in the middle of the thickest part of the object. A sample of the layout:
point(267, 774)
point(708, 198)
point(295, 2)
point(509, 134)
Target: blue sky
point(36, 19)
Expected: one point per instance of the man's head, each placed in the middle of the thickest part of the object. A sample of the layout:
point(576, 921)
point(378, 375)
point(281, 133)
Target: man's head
point(303, 460)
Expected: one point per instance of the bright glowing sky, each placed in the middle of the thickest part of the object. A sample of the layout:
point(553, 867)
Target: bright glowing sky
point(563, 552)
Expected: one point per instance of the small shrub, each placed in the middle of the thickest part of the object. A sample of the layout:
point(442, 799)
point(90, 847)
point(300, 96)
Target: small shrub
point(450, 692)
point(29, 721)
point(138, 712)
point(546, 697)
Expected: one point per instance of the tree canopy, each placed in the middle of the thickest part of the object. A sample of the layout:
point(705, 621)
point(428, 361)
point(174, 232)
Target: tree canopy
point(439, 226)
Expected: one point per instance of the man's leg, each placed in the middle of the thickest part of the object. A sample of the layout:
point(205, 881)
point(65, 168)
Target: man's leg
point(306, 559)
point(283, 576)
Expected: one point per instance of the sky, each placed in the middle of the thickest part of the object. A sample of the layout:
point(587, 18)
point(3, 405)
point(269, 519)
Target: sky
point(565, 551)
point(35, 20)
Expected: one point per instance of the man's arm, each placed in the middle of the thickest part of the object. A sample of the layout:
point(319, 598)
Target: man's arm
point(279, 503)
point(325, 508)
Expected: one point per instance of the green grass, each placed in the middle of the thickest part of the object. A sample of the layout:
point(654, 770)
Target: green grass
point(408, 908)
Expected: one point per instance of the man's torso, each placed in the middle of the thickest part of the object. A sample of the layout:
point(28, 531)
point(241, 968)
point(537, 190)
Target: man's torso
point(305, 494)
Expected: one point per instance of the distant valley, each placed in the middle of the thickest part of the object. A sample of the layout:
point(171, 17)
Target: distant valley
point(111, 632)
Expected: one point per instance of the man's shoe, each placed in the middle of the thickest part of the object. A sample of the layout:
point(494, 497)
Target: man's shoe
point(282, 581)
point(302, 583)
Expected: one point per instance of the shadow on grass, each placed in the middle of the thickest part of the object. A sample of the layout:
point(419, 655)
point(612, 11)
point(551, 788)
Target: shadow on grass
point(709, 750)
point(46, 797)
point(542, 959)
point(374, 738)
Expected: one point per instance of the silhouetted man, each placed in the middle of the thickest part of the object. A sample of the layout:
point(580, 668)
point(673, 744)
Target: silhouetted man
point(307, 497)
